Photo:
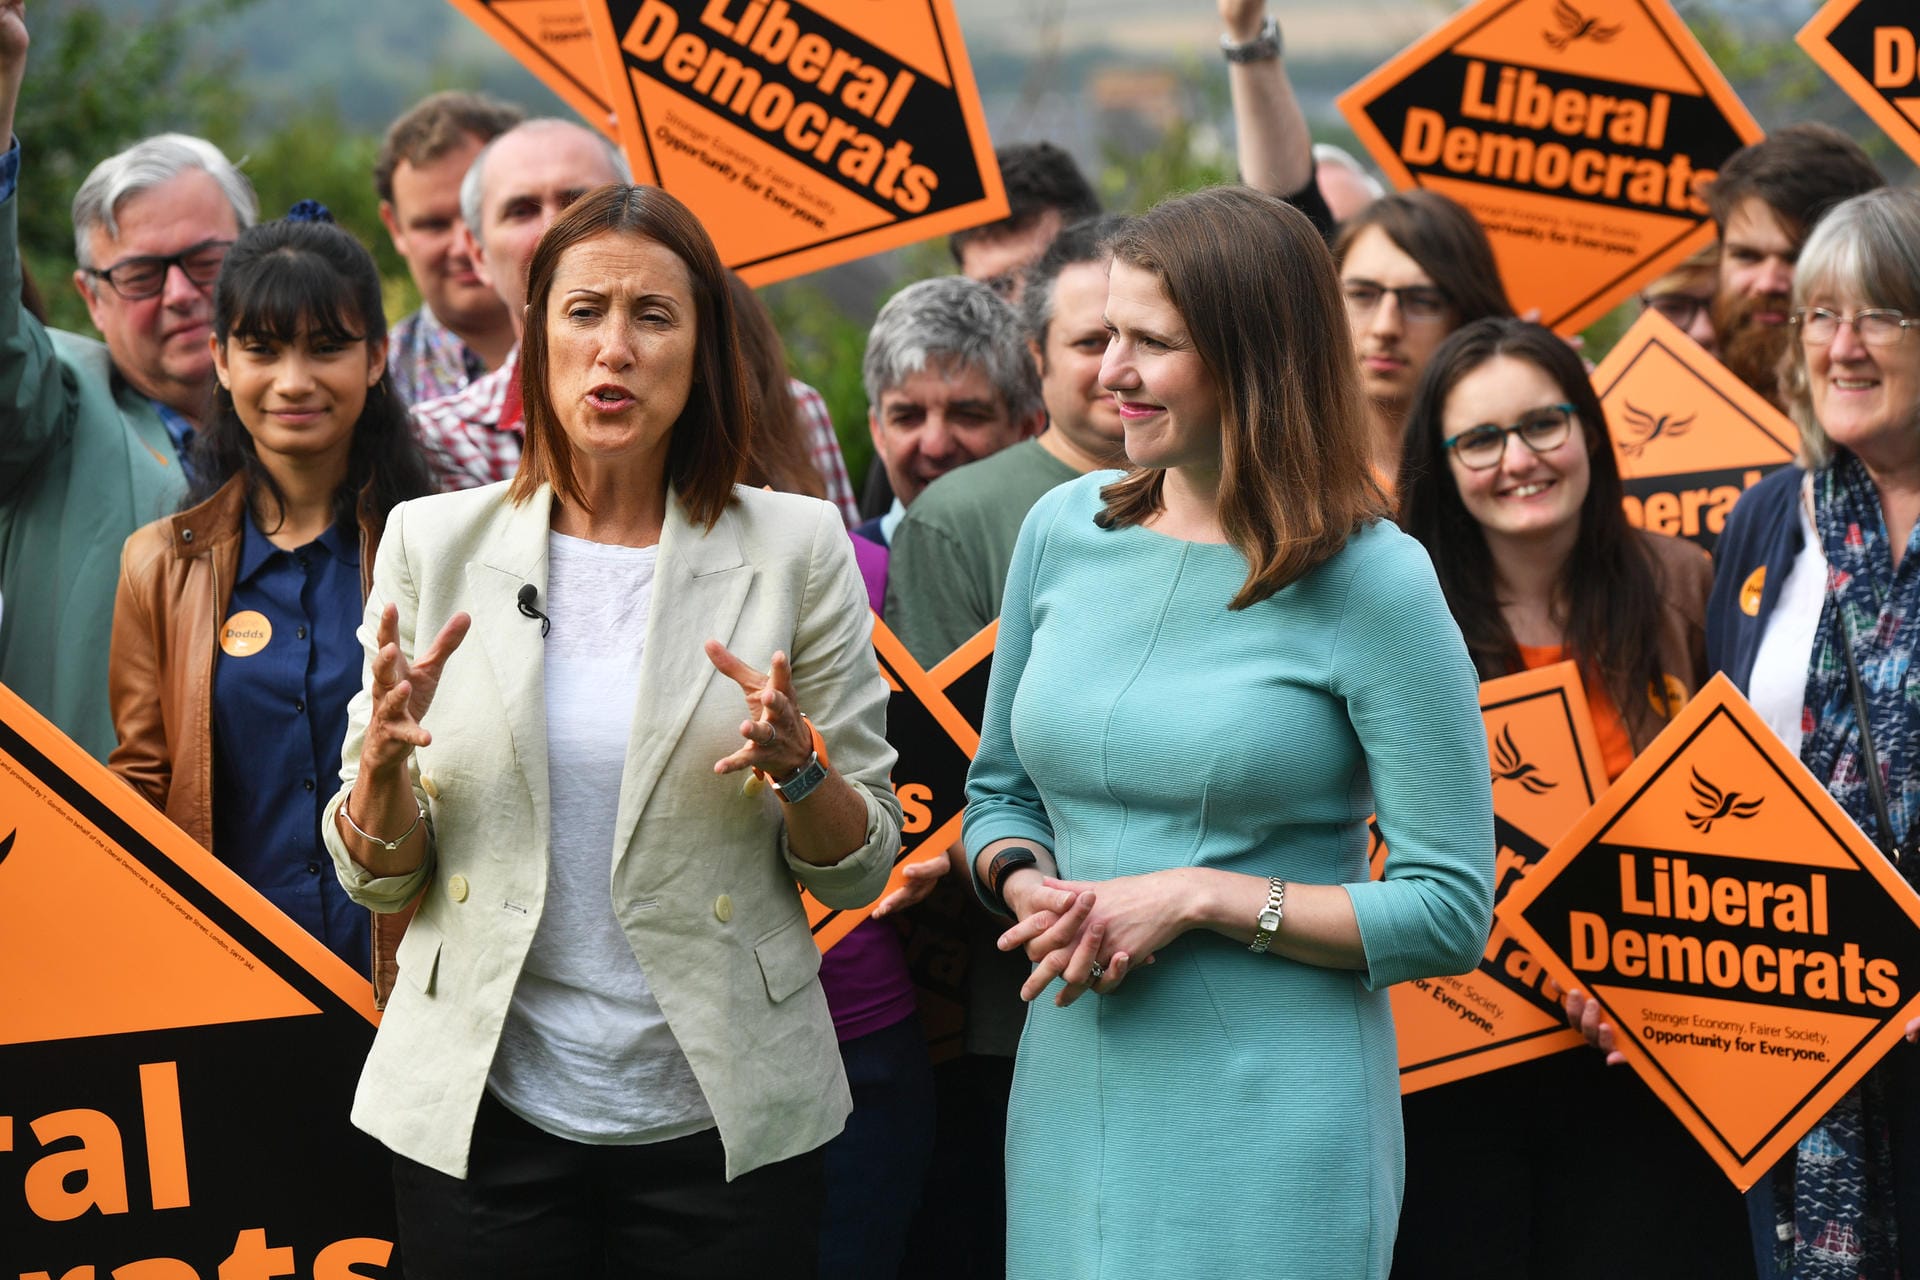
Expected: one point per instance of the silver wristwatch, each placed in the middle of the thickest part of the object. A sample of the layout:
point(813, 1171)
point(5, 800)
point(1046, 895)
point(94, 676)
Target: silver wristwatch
point(1267, 923)
point(1262, 48)
point(802, 782)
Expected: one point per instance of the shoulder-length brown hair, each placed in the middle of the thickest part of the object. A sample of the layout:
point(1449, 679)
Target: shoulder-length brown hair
point(715, 431)
point(1254, 283)
point(1447, 242)
point(1608, 588)
point(782, 456)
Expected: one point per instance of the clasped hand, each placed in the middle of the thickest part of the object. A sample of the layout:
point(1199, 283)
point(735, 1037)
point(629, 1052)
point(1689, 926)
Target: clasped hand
point(1066, 927)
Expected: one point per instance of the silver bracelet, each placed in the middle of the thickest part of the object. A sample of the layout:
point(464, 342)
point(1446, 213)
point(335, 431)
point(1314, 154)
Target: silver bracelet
point(388, 845)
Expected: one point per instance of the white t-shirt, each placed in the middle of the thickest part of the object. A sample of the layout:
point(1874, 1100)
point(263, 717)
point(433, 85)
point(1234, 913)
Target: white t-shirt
point(1778, 686)
point(586, 1053)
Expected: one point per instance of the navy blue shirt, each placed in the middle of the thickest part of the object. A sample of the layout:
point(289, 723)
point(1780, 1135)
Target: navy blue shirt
point(281, 683)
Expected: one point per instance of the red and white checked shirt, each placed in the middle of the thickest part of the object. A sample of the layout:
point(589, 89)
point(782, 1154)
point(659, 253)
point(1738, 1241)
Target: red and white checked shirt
point(824, 447)
point(474, 436)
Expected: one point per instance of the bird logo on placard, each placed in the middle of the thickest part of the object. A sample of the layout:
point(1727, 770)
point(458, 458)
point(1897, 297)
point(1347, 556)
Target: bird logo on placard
point(1719, 804)
point(1648, 428)
point(1575, 25)
point(6, 846)
point(1509, 766)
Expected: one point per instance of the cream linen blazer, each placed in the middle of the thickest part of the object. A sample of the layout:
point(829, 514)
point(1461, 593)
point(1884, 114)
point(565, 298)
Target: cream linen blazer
point(703, 883)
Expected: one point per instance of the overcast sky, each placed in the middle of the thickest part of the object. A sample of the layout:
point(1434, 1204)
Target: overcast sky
point(1310, 26)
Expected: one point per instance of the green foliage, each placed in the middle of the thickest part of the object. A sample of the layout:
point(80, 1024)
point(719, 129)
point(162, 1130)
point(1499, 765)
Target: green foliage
point(1140, 166)
point(314, 156)
point(824, 350)
point(97, 82)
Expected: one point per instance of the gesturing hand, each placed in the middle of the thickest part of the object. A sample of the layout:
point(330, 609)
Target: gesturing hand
point(918, 880)
point(402, 691)
point(777, 740)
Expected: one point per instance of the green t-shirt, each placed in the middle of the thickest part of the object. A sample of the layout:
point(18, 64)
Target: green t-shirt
point(949, 557)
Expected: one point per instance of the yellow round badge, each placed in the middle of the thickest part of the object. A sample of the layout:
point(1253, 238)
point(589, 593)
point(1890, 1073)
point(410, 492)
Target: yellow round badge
point(245, 634)
point(1667, 695)
point(1750, 592)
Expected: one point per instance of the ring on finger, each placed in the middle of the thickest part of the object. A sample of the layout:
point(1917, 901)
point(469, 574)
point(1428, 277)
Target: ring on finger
point(773, 734)
point(1097, 972)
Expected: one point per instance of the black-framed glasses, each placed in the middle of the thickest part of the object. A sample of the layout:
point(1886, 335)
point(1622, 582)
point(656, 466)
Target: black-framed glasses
point(1681, 309)
point(1874, 326)
point(1481, 447)
point(145, 276)
point(1419, 303)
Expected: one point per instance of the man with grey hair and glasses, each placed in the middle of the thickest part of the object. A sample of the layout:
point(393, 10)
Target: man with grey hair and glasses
point(948, 382)
point(93, 437)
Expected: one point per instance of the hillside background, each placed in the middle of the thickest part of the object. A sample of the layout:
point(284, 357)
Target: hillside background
point(1134, 88)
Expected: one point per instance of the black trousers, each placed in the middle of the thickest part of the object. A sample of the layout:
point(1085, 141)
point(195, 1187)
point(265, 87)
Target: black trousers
point(535, 1206)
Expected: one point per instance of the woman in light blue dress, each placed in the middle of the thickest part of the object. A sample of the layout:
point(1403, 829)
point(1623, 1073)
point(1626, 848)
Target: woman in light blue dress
point(1209, 673)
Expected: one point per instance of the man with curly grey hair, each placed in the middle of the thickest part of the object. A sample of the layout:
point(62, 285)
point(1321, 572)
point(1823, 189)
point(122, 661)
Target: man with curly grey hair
point(948, 381)
point(93, 436)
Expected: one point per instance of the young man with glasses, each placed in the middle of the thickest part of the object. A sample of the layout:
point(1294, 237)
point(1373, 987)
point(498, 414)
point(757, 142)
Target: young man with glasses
point(1414, 266)
point(1684, 296)
point(92, 436)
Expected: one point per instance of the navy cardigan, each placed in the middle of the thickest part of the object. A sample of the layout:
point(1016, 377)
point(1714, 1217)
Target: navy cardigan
point(1761, 539)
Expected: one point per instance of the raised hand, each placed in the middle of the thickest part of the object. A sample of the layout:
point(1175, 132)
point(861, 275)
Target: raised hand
point(778, 741)
point(13, 62)
point(403, 690)
point(1242, 18)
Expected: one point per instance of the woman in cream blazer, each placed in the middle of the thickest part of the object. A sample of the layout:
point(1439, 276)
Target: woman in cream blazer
point(635, 423)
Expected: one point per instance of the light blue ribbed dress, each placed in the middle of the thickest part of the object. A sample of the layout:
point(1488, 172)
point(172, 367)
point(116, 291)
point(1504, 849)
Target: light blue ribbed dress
point(1224, 1113)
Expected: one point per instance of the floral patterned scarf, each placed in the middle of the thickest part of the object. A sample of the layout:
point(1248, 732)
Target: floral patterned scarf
point(1835, 1208)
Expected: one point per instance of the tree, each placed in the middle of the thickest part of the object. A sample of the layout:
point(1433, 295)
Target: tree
point(95, 83)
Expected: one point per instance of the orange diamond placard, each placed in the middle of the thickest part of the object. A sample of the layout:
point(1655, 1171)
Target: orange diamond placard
point(936, 740)
point(156, 1016)
point(1581, 133)
point(1546, 774)
point(1689, 436)
point(1871, 48)
point(933, 718)
point(804, 133)
point(552, 39)
point(1754, 951)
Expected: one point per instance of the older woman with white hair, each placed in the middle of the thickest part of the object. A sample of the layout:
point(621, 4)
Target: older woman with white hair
point(1814, 595)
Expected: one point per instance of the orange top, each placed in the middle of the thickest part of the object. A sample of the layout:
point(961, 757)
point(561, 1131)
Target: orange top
point(1616, 744)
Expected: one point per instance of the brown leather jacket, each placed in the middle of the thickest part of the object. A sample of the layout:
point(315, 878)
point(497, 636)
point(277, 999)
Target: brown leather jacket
point(1685, 576)
point(176, 577)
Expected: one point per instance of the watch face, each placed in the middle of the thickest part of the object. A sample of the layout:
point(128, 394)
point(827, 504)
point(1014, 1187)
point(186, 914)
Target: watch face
point(1269, 921)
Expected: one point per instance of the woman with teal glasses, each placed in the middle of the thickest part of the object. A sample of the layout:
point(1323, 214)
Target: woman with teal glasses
point(1508, 478)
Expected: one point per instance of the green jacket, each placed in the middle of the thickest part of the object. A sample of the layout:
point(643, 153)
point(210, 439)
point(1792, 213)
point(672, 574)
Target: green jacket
point(84, 461)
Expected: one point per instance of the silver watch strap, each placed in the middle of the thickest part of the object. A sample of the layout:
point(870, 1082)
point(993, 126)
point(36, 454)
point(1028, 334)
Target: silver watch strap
point(803, 781)
point(1275, 907)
